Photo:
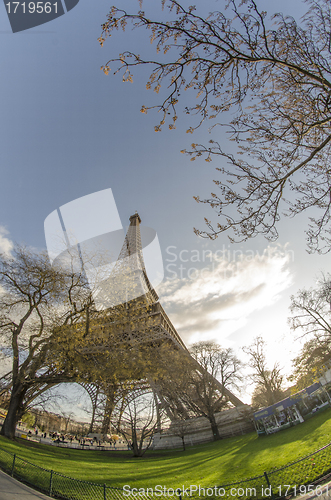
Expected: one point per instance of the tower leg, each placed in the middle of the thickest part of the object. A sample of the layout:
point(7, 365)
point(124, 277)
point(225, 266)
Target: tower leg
point(109, 408)
point(94, 399)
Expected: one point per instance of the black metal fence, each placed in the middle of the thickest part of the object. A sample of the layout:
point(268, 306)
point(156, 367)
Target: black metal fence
point(299, 477)
point(54, 484)
point(296, 478)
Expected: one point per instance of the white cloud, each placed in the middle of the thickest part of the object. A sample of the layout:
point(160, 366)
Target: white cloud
point(6, 245)
point(218, 301)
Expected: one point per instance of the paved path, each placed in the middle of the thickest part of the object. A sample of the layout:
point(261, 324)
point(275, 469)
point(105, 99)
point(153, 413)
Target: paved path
point(323, 493)
point(10, 489)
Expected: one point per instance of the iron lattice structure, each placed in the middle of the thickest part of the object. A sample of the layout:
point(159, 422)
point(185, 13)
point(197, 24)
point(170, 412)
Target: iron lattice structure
point(132, 329)
point(139, 325)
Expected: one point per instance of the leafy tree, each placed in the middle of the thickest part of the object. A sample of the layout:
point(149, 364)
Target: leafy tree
point(310, 363)
point(268, 382)
point(133, 364)
point(37, 304)
point(29, 420)
point(274, 79)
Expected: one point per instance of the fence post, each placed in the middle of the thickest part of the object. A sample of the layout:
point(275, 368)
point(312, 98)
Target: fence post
point(268, 482)
point(13, 466)
point(179, 494)
point(104, 492)
point(50, 484)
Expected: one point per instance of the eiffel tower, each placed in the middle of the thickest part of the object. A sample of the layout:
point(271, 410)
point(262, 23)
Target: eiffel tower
point(129, 289)
point(151, 327)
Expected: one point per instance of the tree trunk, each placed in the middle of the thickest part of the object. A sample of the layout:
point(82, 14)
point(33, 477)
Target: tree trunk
point(15, 411)
point(135, 446)
point(214, 428)
point(183, 441)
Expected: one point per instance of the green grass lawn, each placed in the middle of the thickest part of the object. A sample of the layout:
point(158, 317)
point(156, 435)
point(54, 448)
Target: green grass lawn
point(221, 462)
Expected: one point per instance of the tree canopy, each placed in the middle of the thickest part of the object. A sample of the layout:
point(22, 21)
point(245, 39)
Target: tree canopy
point(38, 303)
point(269, 79)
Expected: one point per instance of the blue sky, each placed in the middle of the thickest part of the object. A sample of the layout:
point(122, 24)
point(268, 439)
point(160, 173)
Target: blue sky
point(67, 130)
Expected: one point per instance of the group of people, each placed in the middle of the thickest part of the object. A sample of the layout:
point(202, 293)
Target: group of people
point(79, 440)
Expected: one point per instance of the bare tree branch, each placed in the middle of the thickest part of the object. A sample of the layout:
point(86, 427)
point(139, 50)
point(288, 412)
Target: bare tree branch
point(276, 82)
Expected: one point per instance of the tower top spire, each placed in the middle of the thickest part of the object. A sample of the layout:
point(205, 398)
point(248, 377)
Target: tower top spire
point(133, 219)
